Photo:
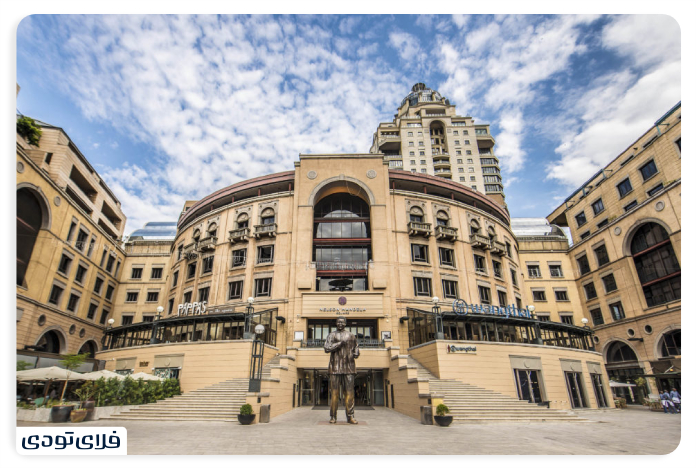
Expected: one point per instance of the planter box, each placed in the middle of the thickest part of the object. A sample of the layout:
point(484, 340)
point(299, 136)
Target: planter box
point(61, 414)
point(44, 414)
point(443, 421)
point(246, 419)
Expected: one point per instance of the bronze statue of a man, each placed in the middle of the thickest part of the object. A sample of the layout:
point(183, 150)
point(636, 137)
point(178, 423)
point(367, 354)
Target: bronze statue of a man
point(344, 350)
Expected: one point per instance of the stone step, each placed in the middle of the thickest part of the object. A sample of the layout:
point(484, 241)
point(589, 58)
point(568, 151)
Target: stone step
point(173, 418)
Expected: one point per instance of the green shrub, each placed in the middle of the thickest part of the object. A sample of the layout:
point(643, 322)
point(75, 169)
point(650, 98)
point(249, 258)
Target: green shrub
point(27, 127)
point(170, 388)
point(246, 410)
point(441, 409)
point(25, 405)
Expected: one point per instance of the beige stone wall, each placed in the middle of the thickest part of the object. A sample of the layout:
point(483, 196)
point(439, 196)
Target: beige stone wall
point(490, 367)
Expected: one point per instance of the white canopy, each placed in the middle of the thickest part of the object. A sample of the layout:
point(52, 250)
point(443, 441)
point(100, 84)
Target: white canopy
point(49, 373)
point(144, 376)
point(107, 374)
point(620, 384)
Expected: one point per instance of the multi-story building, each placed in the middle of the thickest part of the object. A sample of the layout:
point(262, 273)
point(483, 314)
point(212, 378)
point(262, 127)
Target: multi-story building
point(428, 137)
point(69, 257)
point(625, 224)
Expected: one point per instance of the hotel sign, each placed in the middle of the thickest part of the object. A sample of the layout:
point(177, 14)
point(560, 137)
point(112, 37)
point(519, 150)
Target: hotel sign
point(461, 307)
point(461, 349)
point(325, 305)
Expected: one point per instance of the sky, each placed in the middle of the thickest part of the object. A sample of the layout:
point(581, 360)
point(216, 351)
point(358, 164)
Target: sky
point(171, 108)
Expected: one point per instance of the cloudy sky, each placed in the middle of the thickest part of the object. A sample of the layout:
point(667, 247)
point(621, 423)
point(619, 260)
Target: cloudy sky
point(170, 108)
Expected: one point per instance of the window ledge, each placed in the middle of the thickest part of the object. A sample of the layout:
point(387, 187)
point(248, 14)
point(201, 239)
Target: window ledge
point(600, 212)
point(206, 274)
point(448, 267)
point(423, 264)
point(625, 194)
point(651, 177)
point(238, 267)
point(263, 264)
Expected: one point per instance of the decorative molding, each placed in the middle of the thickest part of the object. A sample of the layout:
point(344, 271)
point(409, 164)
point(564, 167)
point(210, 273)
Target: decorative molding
point(371, 174)
point(312, 175)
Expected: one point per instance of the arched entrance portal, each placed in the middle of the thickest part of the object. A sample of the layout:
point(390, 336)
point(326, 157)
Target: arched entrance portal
point(29, 222)
point(623, 367)
point(89, 347)
point(49, 342)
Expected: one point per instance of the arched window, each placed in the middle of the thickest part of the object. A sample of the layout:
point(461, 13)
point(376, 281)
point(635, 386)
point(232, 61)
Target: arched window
point(242, 221)
point(342, 244)
point(212, 230)
point(656, 264)
point(49, 342)
point(491, 233)
point(268, 216)
point(197, 235)
point(670, 344)
point(442, 218)
point(416, 215)
point(474, 227)
point(620, 352)
point(89, 347)
point(29, 221)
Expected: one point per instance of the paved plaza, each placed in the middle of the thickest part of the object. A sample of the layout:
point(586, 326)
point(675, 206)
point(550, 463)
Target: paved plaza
point(634, 431)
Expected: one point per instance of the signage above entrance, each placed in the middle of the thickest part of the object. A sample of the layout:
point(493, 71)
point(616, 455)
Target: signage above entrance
point(461, 349)
point(362, 304)
point(461, 307)
point(202, 308)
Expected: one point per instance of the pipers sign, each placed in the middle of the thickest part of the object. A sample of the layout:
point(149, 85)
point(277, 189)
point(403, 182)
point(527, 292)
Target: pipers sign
point(192, 308)
point(461, 307)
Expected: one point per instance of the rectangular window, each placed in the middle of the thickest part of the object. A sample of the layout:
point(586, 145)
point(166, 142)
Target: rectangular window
point(598, 207)
point(64, 264)
point(624, 187)
point(616, 310)
point(609, 283)
point(602, 255)
point(136, 273)
point(422, 287)
point(152, 296)
point(590, 291)
point(191, 270)
point(583, 264)
point(264, 254)
point(480, 264)
point(655, 190)
point(131, 297)
point(449, 289)
point(171, 307)
point(238, 258)
point(585, 235)
point(484, 295)
point(48, 158)
point(561, 296)
point(72, 302)
point(630, 206)
point(110, 263)
point(203, 294)
point(104, 316)
point(235, 291)
point(419, 253)
point(101, 262)
point(534, 271)
point(91, 246)
point(497, 269)
point(187, 297)
point(262, 287)
point(148, 318)
point(513, 276)
point(567, 319)
point(421, 153)
point(175, 278)
point(81, 241)
point(156, 273)
point(602, 223)
point(98, 285)
point(208, 264)
point(544, 318)
point(126, 320)
point(422, 161)
point(556, 271)
point(109, 292)
point(502, 298)
point(413, 162)
point(446, 256)
point(92, 312)
point(580, 218)
point(539, 295)
point(80, 273)
point(648, 170)
point(597, 318)
point(71, 231)
point(118, 267)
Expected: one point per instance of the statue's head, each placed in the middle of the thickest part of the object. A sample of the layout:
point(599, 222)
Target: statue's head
point(341, 323)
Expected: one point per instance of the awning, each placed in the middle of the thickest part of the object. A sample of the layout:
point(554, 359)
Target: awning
point(49, 373)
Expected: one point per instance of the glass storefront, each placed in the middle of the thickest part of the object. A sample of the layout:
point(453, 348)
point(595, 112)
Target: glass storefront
point(528, 385)
point(365, 330)
point(369, 388)
point(575, 390)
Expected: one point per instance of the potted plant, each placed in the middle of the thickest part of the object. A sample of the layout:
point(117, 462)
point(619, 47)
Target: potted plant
point(246, 415)
point(84, 393)
point(441, 417)
point(61, 412)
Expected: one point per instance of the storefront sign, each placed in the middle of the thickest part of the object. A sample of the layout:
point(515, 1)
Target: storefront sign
point(192, 308)
point(460, 307)
point(461, 349)
point(323, 305)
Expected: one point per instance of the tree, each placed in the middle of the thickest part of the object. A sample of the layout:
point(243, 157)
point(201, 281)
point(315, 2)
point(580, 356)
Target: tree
point(27, 127)
point(23, 365)
point(71, 362)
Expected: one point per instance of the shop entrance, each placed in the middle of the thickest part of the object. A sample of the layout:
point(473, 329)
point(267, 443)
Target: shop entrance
point(369, 388)
point(528, 387)
point(574, 384)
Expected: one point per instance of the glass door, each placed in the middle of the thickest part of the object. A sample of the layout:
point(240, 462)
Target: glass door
point(599, 390)
point(528, 387)
point(321, 380)
point(378, 388)
point(573, 382)
point(307, 388)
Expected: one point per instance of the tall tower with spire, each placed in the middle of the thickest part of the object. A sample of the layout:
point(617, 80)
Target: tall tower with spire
point(428, 137)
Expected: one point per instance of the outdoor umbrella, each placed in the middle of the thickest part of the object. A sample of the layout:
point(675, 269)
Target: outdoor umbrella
point(621, 384)
point(107, 374)
point(144, 376)
point(48, 374)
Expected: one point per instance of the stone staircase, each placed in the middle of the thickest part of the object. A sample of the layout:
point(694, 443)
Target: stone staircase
point(471, 404)
point(218, 402)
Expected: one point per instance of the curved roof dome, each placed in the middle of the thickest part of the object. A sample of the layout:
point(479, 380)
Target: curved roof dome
point(157, 230)
point(421, 93)
point(535, 227)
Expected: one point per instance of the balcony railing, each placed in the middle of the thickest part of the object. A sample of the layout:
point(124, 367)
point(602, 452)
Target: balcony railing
point(419, 229)
point(261, 230)
point(340, 266)
point(445, 232)
point(389, 136)
point(207, 244)
point(239, 235)
point(498, 248)
point(480, 241)
point(392, 156)
point(442, 171)
point(190, 250)
point(362, 343)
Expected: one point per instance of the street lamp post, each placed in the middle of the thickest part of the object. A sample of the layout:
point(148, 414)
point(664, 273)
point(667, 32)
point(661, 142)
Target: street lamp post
point(248, 334)
point(590, 345)
point(155, 326)
point(110, 324)
point(256, 359)
point(537, 330)
point(439, 330)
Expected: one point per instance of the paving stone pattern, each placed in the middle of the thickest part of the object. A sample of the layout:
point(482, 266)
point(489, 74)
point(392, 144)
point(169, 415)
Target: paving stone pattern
point(634, 431)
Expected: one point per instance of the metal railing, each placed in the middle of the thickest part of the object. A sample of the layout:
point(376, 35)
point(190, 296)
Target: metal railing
point(415, 228)
point(207, 243)
point(478, 240)
point(362, 343)
point(241, 234)
point(265, 229)
point(498, 247)
point(331, 266)
point(445, 232)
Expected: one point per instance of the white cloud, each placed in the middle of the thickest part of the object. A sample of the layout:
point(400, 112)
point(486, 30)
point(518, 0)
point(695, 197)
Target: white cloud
point(646, 39)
